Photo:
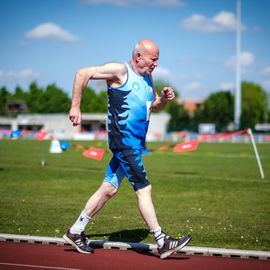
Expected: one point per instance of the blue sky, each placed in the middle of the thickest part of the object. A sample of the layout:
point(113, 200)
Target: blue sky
point(47, 41)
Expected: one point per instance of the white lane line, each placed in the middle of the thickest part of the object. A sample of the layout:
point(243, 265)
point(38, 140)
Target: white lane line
point(38, 266)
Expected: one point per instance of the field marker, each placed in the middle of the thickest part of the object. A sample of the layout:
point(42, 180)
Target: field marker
point(256, 152)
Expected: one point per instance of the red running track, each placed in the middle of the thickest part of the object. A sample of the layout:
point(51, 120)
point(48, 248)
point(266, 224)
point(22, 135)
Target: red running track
point(24, 256)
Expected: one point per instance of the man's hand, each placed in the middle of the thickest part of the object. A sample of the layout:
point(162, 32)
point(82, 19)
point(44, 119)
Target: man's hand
point(167, 94)
point(75, 116)
point(161, 100)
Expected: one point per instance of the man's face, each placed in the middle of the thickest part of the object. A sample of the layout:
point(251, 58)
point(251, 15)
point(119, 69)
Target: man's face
point(148, 61)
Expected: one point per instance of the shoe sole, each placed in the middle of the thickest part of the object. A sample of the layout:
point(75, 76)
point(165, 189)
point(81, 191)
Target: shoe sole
point(68, 240)
point(171, 251)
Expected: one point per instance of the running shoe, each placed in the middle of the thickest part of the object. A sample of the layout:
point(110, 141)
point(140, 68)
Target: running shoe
point(172, 245)
point(79, 241)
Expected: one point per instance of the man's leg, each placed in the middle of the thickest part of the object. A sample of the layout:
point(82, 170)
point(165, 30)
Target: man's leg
point(147, 210)
point(99, 199)
point(166, 244)
point(75, 235)
point(131, 162)
point(146, 207)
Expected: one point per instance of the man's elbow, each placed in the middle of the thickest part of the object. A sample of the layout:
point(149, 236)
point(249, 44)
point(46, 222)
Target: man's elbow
point(81, 73)
point(83, 76)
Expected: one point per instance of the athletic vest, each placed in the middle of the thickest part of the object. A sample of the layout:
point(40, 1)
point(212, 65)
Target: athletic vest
point(129, 108)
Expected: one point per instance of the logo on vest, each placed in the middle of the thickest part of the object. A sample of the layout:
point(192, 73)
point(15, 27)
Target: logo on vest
point(135, 86)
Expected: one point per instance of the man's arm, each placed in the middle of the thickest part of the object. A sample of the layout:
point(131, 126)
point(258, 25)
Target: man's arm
point(160, 102)
point(113, 73)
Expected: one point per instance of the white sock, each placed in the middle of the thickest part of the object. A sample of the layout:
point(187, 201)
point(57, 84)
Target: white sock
point(159, 236)
point(80, 224)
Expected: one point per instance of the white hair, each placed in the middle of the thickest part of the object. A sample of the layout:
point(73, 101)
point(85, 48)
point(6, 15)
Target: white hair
point(137, 47)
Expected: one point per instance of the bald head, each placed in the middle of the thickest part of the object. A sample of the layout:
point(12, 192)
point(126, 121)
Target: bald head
point(145, 46)
point(145, 57)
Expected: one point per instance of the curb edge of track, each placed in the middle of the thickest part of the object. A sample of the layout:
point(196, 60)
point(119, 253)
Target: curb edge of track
point(188, 250)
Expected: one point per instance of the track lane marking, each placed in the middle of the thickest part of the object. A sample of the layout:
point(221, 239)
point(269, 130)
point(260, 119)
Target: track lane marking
point(38, 266)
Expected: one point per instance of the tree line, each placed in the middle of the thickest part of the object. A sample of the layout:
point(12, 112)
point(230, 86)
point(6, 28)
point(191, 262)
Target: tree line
point(51, 99)
point(217, 108)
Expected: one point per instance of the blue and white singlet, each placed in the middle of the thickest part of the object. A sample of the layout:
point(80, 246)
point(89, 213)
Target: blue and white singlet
point(129, 108)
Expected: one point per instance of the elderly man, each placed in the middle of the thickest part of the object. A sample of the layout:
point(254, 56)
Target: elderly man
point(131, 97)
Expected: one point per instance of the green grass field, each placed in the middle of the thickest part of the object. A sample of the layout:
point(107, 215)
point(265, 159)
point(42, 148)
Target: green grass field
point(216, 193)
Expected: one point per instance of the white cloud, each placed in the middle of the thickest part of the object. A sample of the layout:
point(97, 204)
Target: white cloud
point(167, 3)
point(164, 3)
point(227, 86)
point(189, 58)
point(24, 74)
point(162, 73)
point(50, 30)
point(193, 86)
point(246, 60)
point(190, 77)
point(266, 71)
point(222, 22)
point(226, 20)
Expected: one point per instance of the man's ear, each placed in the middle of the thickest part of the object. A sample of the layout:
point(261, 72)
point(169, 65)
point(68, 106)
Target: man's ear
point(138, 57)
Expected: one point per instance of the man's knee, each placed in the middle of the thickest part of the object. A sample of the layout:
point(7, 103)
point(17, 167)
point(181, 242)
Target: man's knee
point(144, 191)
point(112, 192)
point(108, 190)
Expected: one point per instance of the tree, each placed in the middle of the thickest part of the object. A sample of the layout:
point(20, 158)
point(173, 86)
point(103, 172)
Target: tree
point(179, 117)
point(4, 96)
point(49, 100)
point(102, 101)
point(92, 102)
point(268, 98)
point(19, 94)
point(217, 109)
point(254, 105)
point(34, 98)
point(88, 101)
point(54, 100)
